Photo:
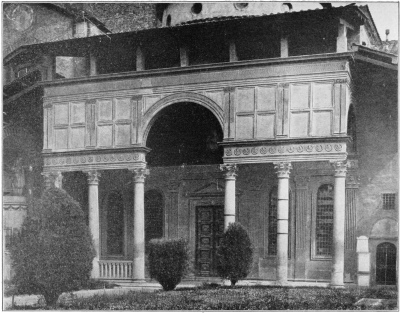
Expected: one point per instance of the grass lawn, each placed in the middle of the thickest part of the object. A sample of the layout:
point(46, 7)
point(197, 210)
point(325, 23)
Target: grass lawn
point(227, 298)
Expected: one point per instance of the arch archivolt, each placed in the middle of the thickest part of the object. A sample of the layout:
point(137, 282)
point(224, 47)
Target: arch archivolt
point(152, 114)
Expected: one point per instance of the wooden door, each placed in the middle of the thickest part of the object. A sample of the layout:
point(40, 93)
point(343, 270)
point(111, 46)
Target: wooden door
point(209, 230)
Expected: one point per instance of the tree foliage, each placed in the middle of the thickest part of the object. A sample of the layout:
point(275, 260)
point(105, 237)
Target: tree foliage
point(54, 251)
point(234, 254)
point(168, 261)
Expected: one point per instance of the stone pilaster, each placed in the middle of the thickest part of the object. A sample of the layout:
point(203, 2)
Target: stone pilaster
point(94, 218)
point(282, 171)
point(139, 176)
point(230, 193)
point(53, 179)
point(338, 223)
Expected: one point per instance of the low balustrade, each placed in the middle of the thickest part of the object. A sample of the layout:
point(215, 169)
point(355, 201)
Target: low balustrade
point(115, 269)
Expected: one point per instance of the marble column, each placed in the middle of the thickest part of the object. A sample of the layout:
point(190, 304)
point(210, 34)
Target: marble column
point(338, 224)
point(52, 179)
point(230, 193)
point(94, 218)
point(283, 171)
point(138, 273)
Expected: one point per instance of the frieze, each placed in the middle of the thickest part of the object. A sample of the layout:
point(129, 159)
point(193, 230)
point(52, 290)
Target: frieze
point(286, 149)
point(93, 159)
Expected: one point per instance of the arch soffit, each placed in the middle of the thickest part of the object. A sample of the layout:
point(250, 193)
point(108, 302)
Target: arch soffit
point(150, 115)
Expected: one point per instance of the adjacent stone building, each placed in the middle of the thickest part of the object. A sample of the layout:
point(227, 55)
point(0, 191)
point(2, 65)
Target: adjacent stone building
point(278, 116)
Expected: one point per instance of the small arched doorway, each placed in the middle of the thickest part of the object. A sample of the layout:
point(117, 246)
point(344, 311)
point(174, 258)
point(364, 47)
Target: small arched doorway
point(386, 264)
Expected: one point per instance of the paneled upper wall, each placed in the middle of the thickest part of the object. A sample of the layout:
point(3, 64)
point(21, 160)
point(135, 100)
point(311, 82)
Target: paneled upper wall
point(249, 107)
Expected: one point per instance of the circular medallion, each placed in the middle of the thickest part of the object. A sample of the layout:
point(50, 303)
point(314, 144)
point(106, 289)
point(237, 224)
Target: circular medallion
point(128, 157)
point(76, 160)
point(136, 156)
point(48, 162)
point(69, 160)
point(54, 161)
point(300, 149)
point(290, 149)
point(318, 148)
point(90, 159)
point(272, 150)
point(120, 157)
point(246, 151)
point(112, 158)
point(83, 159)
point(237, 152)
point(309, 148)
point(105, 158)
point(228, 152)
point(328, 148)
point(98, 158)
point(338, 147)
point(263, 150)
point(254, 150)
point(281, 149)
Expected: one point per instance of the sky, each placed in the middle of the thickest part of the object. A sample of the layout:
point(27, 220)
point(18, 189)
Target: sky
point(386, 16)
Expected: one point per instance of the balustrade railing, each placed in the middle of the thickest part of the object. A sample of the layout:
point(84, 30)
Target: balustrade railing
point(115, 269)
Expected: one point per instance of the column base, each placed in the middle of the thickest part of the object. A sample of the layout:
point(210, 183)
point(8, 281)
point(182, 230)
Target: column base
point(281, 283)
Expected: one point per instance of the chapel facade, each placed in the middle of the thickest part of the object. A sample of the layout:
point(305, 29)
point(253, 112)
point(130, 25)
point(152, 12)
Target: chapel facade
point(281, 118)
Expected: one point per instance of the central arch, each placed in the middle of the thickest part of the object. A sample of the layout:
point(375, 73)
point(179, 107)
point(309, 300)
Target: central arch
point(152, 114)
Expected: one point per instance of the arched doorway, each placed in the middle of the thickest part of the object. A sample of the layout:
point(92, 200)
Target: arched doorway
point(386, 264)
point(184, 134)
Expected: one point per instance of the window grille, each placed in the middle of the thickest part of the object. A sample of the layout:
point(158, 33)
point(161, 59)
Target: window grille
point(324, 221)
point(115, 224)
point(272, 222)
point(153, 215)
point(389, 201)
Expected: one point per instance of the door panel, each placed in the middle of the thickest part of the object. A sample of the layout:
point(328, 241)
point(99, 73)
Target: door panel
point(386, 264)
point(209, 230)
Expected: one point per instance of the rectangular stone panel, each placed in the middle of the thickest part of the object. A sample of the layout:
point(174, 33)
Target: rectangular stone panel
point(105, 110)
point(245, 101)
point(61, 114)
point(244, 127)
point(299, 124)
point(104, 135)
point(266, 98)
point(77, 137)
point(300, 96)
point(322, 96)
point(265, 126)
point(216, 96)
point(123, 109)
point(322, 123)
point(123, 135)
point(78, 112)
point(61, 138)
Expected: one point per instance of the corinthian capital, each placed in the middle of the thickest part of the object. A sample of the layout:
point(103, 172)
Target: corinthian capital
point(340, 168)
point(282, 169)
point(93, 177)
point(230, 170)
point(139, 174)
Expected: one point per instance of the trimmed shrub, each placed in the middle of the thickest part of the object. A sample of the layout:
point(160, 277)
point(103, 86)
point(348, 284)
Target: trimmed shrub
point(54, 251)
point(234, 254)
point(168, 261)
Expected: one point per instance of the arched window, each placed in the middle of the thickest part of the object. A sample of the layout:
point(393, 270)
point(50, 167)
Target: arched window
point(115, 224)
point(272, 222)
point(324, 221)
point(386, 264)
point(153, 213)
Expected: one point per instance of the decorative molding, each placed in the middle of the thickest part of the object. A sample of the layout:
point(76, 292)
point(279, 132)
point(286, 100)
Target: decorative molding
point(341, 81)
point(229, 89)
point(47, 105)
point(230, 170)
point(95, 161)
point(139, 174)
point(285, 152)
point(93, 177)
point(15, 207)
point(340, 168)
point(137, 98)
point(282, 169)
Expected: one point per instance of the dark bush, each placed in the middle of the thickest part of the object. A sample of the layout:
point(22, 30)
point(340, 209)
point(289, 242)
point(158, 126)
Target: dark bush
point(54, 251)
point(234, 254)
point(168, 261)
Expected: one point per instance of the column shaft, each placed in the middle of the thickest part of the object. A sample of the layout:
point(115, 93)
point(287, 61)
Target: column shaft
point(138, 226)
point(338, 224)
point(283, 170)
point(230, 194)
point(94, 219)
